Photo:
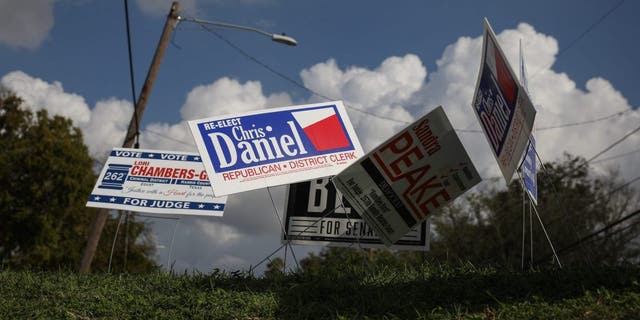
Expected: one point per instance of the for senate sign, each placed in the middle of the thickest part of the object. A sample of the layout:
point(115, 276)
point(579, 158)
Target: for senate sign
point(155, 181)
point(317, 214)
point(409, 176)
point(275, 146)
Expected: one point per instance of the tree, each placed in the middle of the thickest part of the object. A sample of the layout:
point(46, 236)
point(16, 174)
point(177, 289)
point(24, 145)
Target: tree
point(46, 177)
point(486, 228)
point(275, 268)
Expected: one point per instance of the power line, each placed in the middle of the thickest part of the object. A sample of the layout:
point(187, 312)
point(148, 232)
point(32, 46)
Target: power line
point(584, 33)
point(131, 78)
point(170, 138)
point(610, 193)
point(564, 125)
point(591, 27)
point(614, 144)
point(631, 225)
point(302, 86)
point(617, 156)
point(289, 79)
point(603, 229)
point(618, 188)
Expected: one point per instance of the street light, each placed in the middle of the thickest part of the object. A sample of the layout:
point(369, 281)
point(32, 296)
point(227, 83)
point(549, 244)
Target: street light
point(281, 38)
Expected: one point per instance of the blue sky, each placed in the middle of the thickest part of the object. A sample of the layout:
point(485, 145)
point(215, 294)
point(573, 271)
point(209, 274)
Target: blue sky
point(86, 47)
point(395, 59)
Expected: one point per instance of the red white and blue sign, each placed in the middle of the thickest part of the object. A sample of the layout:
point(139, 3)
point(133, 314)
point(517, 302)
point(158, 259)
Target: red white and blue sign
point(275, 146)
point(502, 106)
point(154, 181)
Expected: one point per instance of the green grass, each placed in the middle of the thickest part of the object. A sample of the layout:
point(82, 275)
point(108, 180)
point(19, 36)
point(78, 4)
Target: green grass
point(428, 292)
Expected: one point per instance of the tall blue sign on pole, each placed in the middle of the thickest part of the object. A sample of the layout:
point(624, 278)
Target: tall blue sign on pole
point(529, 168)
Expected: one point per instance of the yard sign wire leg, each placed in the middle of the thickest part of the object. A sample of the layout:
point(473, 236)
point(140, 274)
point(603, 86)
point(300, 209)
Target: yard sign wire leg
point(543, 228)
point(284, 264)
point(366, 262)
point(344, 209)
point(288, 240)
point(588, 252)
point(128, 215)
point(115, 238)
point(524, 190)
point(275, 211)
point(531, 235)
point(173, 237)
point(523, 227)
point(367, 256)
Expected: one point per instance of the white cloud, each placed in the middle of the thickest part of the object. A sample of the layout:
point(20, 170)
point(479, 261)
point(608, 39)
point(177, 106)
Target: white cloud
point(39, 94)
point(382, 91)
point(104, 126)
point(25, 24)
point(227, 96)
point(223, 96)
point(107, 127)
point(223, 234)
point(164, 136)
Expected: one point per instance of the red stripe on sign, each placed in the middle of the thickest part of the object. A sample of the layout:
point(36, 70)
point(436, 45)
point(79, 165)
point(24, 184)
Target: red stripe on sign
point(505, 81)
point(327, 134)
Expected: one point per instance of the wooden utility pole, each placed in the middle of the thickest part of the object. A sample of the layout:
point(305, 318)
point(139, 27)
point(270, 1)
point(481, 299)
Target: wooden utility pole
point(101, 218)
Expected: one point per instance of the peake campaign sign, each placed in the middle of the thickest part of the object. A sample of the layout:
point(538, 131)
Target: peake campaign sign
point(275, 146)
point(317, 214)
point(414, 173)
point(502, 106)
point(155, 181)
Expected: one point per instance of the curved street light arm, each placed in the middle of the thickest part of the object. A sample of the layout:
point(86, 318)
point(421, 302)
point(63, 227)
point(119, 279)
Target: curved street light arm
point(281, 38)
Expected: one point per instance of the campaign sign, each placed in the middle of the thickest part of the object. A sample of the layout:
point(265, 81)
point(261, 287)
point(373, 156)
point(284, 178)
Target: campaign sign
point(529, 171)
point(157, 182)
point(502, 106)
point(317, 214)
point(275, 146)
point(414, 173)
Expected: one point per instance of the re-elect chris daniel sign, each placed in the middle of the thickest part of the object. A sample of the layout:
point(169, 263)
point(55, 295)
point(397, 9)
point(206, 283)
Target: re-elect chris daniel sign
point(275, 146)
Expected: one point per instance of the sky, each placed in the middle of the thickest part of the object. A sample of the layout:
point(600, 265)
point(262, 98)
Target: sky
point(394, 60)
